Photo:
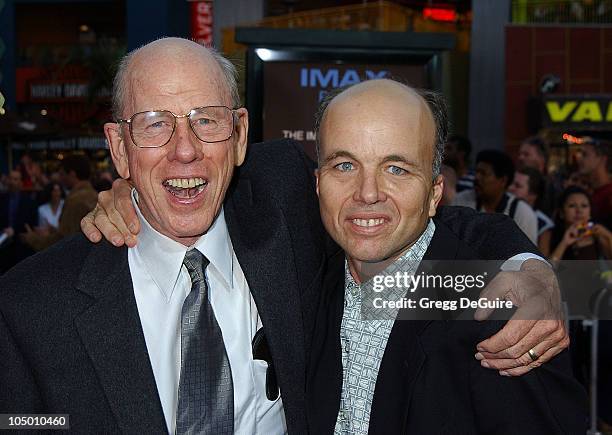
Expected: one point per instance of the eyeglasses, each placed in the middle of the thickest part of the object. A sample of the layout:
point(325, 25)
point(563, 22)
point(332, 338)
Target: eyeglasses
point(154, 129)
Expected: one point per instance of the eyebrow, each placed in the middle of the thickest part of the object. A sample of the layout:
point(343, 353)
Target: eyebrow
point(339, 154)
point(399, 158)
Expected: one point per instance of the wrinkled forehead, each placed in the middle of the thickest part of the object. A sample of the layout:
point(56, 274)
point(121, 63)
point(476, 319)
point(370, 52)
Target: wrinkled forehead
point(174, 76)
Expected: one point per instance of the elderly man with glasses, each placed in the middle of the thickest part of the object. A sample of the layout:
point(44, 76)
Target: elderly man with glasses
point(204, 326)
point(168, 336)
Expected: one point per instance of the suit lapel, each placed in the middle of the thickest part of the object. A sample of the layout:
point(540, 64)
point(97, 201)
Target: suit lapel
point(262, 244)
point(112, 335)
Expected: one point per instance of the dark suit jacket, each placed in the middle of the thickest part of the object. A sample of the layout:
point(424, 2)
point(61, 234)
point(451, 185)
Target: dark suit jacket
point(429, 381)
point(70, 335)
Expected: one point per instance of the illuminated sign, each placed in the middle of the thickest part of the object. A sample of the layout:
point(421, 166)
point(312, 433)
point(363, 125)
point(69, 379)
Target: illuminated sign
point(440, 14)
point(202, 22)
point(578, 111)
point(292, 92)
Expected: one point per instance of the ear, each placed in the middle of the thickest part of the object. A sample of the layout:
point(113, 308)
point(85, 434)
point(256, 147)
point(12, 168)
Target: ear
point(112, 131)
point(316, 174)
point(436, 194)
point(242, 133)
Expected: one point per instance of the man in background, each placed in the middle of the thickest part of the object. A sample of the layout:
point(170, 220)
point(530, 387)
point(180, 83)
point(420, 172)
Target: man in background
point(457, 155)
point(534, 153)
point(596, 163)
point(494, 173)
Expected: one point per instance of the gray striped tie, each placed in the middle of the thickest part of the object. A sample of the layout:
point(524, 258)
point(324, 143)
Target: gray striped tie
point(206, 393)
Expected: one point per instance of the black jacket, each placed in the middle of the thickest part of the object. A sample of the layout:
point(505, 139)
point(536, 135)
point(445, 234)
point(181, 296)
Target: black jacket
point(429, 381)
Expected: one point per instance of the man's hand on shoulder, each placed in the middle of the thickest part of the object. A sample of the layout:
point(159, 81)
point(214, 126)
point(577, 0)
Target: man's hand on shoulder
point(536, 332)
point(114, 217)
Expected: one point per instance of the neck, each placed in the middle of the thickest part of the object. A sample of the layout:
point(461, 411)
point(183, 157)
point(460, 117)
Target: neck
point(490, 204)
point(362, 271)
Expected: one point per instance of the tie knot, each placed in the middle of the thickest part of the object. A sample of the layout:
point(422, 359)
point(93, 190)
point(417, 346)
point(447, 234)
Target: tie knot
point(196, 264)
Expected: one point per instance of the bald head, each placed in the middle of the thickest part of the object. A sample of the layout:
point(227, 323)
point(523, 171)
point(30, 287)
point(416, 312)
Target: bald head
point(171, 56)
point(393, 98)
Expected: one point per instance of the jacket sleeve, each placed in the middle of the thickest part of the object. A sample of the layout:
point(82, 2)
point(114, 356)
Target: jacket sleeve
point(494, 236)
point(547, 400)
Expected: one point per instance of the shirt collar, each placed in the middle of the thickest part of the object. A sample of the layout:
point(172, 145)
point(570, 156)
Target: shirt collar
point(163, 257)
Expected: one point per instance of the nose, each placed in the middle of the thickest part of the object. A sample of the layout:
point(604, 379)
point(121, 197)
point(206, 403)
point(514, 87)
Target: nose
point(369, 189)
point(185, 147)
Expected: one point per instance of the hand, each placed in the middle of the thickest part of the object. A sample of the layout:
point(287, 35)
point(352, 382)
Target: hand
point(601, 233)
point(571, 235)
point(113, 217)
point(40, 231)
point(9, 231)
point(537, 324)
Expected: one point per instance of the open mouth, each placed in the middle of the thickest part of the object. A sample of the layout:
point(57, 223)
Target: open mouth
point(185, 188)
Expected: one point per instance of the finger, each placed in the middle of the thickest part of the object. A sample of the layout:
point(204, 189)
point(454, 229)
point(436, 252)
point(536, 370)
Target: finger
point(28, 228)
point(520, 371)
point(512, 332)
point(109, 229)
point(116, 219)
point(89, 229)
point(544, 335)
point(498, 287)
point(123, 203)
point(515, 356)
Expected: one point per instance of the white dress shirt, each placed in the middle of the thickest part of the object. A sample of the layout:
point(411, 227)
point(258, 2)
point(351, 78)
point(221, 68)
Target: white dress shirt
point(161, 284)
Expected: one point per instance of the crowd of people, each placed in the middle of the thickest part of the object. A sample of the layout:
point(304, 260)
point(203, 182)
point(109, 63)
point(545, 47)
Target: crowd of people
point(567, 215)
point(37, 208)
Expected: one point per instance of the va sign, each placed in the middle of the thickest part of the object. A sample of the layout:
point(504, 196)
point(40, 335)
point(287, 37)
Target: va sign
point(578, 111)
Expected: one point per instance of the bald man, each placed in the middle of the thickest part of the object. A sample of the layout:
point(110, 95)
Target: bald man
point(113, 337)
point(372, 371)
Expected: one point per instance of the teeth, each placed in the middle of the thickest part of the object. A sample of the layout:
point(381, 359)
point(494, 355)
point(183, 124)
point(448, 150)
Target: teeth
point(185, 183)
point(368, 222)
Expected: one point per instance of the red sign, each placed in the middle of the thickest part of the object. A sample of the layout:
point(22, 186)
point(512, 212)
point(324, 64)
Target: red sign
point(202, 22)
point(440, 14)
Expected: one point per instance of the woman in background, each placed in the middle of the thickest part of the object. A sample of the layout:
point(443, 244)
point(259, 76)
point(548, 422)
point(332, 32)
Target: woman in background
point(49, 213)
point(575, 236)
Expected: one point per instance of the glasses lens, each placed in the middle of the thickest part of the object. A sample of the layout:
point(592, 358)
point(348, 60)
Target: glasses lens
point(212, 124)
point(152, 129)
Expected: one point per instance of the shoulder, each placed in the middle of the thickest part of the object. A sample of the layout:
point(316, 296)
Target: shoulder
point(280, 169)
point(282, 155)
point(59, 265)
